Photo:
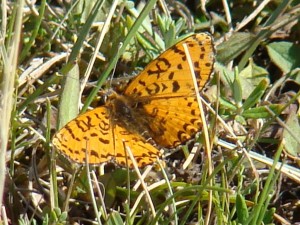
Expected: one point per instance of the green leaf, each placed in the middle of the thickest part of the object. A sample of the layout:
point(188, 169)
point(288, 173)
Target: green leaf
point(84, 9)
point(256, 94)
point(237, 90)
point(227, 104)
point(295, 75)
point(262, 111)
point(115, 219)
point(285, 55)
point(46, 220)
point(254, 73)
point(291, 145)
point(69, 98)
point(226, 75)
point(236, 44)
point(269, 216)
point(250, 77)
point(63, 217)
point(241, 209)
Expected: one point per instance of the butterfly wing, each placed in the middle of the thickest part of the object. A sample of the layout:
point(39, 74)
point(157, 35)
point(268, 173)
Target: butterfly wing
point(169, 75)
point(88, 134)
point(165, 93)
point(176, 120)
point(95, 134)
point(143, 152)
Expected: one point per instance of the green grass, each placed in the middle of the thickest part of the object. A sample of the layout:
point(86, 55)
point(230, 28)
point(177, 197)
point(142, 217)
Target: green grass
point(252, 116)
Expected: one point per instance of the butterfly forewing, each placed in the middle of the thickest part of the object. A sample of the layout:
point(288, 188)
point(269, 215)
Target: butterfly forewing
point(169, 75)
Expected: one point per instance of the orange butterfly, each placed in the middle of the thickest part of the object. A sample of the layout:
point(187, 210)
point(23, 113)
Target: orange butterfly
point(157, 109)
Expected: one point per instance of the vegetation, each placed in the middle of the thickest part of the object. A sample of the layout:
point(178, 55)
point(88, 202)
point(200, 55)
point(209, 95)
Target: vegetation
point(245, 169)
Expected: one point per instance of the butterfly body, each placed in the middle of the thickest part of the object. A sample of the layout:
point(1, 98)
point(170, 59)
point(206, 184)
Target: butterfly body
point(157, 109)
point(126, 112)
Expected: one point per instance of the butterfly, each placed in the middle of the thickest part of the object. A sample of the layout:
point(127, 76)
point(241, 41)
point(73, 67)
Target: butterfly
point(158, 109)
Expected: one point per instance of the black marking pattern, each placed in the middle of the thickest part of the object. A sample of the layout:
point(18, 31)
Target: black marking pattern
point(162, 66)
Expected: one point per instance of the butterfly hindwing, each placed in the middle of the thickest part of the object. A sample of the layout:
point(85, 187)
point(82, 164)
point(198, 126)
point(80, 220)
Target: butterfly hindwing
point(143, 152)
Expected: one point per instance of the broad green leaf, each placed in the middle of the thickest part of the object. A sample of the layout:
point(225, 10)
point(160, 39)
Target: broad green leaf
point(250, 77)
point(69, 98)
point(254, 73)
point(233, 47)
point(285, 55)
